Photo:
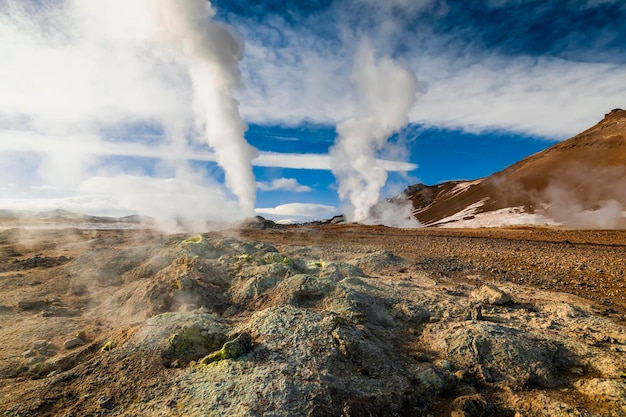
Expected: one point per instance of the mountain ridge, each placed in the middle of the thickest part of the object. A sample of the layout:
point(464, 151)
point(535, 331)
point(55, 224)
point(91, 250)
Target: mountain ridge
point(577, 183)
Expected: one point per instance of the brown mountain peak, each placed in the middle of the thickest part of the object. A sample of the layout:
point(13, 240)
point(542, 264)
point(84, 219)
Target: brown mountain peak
point(615, 114)
point(580, 182)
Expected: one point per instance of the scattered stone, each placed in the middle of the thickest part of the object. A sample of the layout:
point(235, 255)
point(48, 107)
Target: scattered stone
point(36, 359)
point(410, 313)
point(28, 305)
point(491, 294)
point(432, 380)
point(472, 406)
point(106, 402)
point(446, 365)
point(511, 355)
point(603, 390)
point(576, 370)
point(28, 353)
point(73, 343)
point(40, 344)
point(474, 312)
point(379, 261)
point(484, 374)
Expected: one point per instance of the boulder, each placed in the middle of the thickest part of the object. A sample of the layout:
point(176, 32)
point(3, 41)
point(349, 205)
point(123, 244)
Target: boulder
point(498, 353)
point(491, 294)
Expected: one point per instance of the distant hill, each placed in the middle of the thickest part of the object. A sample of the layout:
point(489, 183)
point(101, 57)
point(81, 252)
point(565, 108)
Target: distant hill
point(580, 182)
point(64, 217)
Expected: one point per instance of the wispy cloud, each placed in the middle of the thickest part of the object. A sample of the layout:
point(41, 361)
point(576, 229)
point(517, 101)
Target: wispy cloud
point(71, 147)
point(524, 70)
point(284, 184)
point(544, 97)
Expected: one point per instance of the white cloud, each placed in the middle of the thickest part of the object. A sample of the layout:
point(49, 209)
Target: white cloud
point(63, 69)
point(306, 210)
point(545, 97)
point(306, 77)
point(317, 161)
point(73, 148)
point(284, 184)
point(549, 97)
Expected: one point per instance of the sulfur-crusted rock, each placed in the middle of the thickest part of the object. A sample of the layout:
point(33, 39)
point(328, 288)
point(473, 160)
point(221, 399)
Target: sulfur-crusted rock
point(232, 349)
point(200, 246)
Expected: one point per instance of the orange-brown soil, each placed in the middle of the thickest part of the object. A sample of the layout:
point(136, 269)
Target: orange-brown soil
point(587, 263)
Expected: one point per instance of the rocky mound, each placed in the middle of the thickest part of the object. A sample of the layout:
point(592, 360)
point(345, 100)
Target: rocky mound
point(214, 325)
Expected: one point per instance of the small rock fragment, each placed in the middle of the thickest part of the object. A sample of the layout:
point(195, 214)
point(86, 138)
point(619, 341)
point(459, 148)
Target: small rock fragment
point(28, 305)
point(40, 344)
point(106, 402)
point(471, 406)
point(28, 353)
point(474, 312)
point(72, 343)
point(576, 370)
point(490, 294)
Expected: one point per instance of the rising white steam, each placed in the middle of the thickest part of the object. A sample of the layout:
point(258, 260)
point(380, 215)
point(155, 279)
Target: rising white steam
point(79, 69)
point(213, 53)
point(387, 92)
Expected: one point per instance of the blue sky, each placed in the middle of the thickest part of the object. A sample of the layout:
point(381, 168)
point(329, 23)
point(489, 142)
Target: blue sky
point(105, 105)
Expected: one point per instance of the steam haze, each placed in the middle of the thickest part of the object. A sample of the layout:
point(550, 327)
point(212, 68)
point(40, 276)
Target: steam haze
point(387, 92)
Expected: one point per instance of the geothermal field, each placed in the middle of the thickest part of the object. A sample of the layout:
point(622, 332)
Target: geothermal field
point(345, 208)
point(317, 319)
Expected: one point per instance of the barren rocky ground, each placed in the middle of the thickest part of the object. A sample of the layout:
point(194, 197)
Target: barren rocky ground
point(321, 320)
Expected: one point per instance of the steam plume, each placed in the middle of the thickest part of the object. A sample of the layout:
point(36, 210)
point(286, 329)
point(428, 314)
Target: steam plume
point(587, 197)
point(76, 69)
point(387, 93)
point(213, 52)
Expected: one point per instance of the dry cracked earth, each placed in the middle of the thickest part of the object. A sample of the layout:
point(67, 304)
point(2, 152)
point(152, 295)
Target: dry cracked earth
point(319, 320)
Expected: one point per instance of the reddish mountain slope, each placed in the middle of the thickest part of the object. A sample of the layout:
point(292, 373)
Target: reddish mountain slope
point(580, 182)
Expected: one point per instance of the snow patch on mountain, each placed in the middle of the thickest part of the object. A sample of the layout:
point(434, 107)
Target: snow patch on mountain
point(468, 212)
point(463, 186)
point(510, 216)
